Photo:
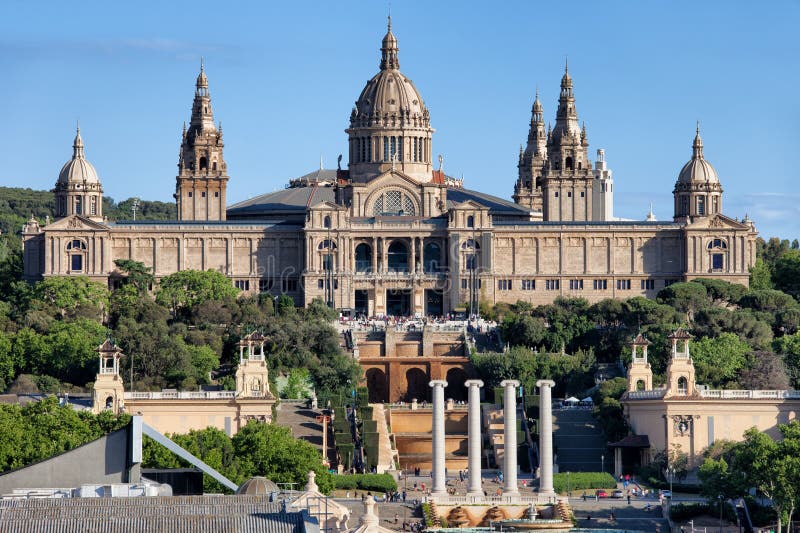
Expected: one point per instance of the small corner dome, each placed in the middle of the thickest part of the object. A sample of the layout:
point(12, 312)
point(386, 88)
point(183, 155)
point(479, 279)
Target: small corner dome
point(258, 486)
point(78, 169)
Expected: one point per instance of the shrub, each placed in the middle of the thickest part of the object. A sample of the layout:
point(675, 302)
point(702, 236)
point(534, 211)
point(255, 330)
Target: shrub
point(370, 482)
point(583, 480)
point(680, 512)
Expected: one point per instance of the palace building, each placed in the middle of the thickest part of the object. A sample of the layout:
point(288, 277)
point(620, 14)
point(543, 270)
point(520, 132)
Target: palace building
point(390, 233)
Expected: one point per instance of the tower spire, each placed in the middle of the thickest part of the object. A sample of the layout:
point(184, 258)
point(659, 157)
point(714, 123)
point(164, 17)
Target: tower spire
point(697, 145)
point(77, 144)
point(389, 49)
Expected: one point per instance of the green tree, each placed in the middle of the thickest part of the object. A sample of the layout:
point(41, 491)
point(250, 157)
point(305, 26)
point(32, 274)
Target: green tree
point(74, 350)
point(786, 273)
point(136, 274)
point(719, 360)
point(271, 451)
point(185, 289)
point(686, 297)
point(760, 276)
point(64, 295)
point(203, 360)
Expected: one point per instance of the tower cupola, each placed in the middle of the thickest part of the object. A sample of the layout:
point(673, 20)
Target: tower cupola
point(698, 191)
point(78, 190)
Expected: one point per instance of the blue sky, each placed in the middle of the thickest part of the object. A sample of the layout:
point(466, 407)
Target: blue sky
point(284, 77)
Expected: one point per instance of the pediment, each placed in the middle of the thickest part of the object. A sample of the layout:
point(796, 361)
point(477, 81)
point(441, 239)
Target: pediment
point(327, 206)
point(76, 223)
point(393, 177)
point(719, 221)
point(470, 205)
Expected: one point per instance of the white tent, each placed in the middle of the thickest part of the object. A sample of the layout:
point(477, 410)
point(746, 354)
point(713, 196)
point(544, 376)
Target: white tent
point(588, 399)
point(571, 399)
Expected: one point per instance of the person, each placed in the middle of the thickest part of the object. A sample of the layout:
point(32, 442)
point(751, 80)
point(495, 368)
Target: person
point(396, 518)
point(584, 496)
point(611, 518)
point(589, 517)
point(629, 499)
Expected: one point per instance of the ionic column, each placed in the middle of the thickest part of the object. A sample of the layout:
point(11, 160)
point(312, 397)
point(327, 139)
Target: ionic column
point(545, 436)
point(437, 463)
point(510, 436)
point(475, 442)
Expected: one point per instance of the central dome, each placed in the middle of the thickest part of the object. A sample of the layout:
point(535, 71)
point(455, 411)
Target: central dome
point(390, 125)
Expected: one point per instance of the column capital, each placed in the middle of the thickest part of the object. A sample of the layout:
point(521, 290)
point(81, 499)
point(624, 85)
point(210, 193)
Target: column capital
point(510, 383)
point(545, 383)
point(438, 383)
point(473, 383)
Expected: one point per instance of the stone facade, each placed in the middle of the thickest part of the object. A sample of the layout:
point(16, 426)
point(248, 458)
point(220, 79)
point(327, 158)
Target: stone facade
point(392, 235)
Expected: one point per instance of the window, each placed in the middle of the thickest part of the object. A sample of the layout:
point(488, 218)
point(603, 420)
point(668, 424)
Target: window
point(569, 194)
point(216, 193)
point(623, 284)
point(701, 205)
point(265, 285)
point(327, 262)
point(715, 204)
point(551, 284)
point(576, 284)
point(583, 194)
point(600, 284)
point(683, 385)
point(475, 284)
point(190, 194)
point(242, 284)
point(504, 284)
point(717, 243)
point(528, 284)
point(76, 263)
point(470, 221)
point(648, 284)
point(363, 258)
point(717, 261)
point(203, 194)
point(93, 205)
point(398, 257)
point(668, 282)
point(463, 283)
point(472, 262)
point(320, 284)
point(326, 222)
point(385, 149)
point(432, 258)
point(394, 203)
point(289, 285)
point(76, 244)
point(78, 206)
point(556, 194)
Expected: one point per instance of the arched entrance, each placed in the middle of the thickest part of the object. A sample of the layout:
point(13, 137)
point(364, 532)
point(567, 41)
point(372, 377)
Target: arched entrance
point(363, 258)
point(377, 385)
point(417, 385)
point(455, 385)
point(432, 254)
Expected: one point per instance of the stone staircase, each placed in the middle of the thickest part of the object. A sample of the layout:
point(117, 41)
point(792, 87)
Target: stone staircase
point(579, 442)
point(303, 424)
point(386, 453)
point(493, 426)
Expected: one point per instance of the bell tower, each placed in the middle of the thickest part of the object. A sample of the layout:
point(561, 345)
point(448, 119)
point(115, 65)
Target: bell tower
point(568, 175)
point(202, 172)
point(640, 376)
point(528, 190)
point(252, 376)
point(109, 393)
point(680, 371)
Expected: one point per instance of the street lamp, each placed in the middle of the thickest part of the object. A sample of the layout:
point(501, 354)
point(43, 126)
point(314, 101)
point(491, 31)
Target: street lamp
point(602, 463)
point(568, 491)
point(720, 512)
point(671, 472)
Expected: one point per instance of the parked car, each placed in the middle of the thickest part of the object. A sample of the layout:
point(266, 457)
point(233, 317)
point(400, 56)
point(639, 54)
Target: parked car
point(666, 493)
point(601, 494)
point(617, 494)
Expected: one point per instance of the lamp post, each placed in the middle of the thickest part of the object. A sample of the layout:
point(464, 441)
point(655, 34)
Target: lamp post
point(671, 472)
point(568, 491)
point(602, 463)
point(720, 512)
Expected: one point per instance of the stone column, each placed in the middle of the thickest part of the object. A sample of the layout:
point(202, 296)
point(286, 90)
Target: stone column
point(510, 436)
point(475, 441)
point(438, 465)
point(545, 436)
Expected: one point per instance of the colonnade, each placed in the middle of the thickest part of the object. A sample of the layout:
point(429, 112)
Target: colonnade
point(475, 444)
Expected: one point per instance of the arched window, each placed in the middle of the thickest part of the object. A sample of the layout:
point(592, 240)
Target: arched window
point(640, 384)
point(718, 252)
point(110, 402)
point(327, 244)
point(363, 258)
point(717, 243)
point(214, 166)
point(470, 244)
point(568, 164)
point(326, 222)
point(394, 203)
point(432, 254)
point(683, 385)
point(398, 257)
point(76, 250)
point(76, 244)
point(78, 205)
point(470, 221)
point(203, 163)
point(701, 205)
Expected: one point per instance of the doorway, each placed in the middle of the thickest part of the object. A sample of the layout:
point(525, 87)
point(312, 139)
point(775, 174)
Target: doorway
point(361, 302)
point(398, 302)
point(434, 302)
